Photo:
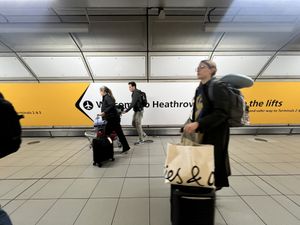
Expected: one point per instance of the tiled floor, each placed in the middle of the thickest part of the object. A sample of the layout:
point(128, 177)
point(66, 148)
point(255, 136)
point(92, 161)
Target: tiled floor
point(53, 183)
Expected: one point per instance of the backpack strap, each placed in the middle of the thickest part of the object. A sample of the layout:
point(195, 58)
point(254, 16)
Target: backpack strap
point(194, 106)
point(139, 101)
point(211, 89)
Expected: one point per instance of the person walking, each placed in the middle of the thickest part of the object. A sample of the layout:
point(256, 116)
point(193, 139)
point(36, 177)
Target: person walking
point(138, 108)
point(210, 117)
point(110, 114)
point(10, 139)
point(10, 129)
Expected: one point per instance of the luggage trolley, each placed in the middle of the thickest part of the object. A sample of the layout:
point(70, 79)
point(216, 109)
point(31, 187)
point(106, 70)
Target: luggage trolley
point(99, 129)
point(101, 144)
point(99, 125)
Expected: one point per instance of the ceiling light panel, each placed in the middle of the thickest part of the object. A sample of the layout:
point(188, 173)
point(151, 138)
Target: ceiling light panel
point(232, 11)
point(241, 64)
point(11, 67)
point(252, 41)
point(26, 12)
point(283, 65)
point(70, 11)
point(116, 11)
point(175, 66)
point(271, 19)
point(74, 19)
point(48, 28)
point(293, 45)
point(221, 19)
point(117, 66)
point(39, 42)
point(250, 27)
point(33, 19)
point(70, 66)
point(184, 11)
point(180, 34)
point(116, 33)
point(265, 11)
point(4, 48)
point(3, 19)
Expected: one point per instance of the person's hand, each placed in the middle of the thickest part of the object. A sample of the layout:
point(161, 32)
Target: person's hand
point(191, 127)
point(101, 114)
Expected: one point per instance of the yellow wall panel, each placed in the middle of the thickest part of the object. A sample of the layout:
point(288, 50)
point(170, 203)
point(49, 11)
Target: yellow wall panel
point(274, 102)
point(47, 104)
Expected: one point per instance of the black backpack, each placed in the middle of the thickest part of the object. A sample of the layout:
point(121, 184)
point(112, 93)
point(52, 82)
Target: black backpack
point(10, 130)
point(144, 99)
point(237, 104)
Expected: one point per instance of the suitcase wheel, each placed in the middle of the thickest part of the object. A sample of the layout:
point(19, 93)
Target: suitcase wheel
point(97, 164)
point(112, 159)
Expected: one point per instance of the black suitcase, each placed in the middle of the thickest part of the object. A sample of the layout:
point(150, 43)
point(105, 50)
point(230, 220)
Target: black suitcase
point(103, 150)
point(192, 205)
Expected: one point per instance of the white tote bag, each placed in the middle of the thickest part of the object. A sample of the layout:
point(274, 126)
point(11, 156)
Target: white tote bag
point(190, 165)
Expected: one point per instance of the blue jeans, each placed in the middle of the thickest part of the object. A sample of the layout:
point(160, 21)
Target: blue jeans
point(4, 218)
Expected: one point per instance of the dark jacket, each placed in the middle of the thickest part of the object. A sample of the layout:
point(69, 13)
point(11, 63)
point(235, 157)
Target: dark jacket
point(109, 107)
point(213, 123)
point(10, 129)
point(136, 102)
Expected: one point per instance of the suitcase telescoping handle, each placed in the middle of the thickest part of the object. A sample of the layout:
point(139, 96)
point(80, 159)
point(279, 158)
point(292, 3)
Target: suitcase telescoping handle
point(196, 198)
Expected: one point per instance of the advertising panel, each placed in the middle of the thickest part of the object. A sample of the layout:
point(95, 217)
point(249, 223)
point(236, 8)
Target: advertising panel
point(170, 103)
point(274, 102)
point(46, 104)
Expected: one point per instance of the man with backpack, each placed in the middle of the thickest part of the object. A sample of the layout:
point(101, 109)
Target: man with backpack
point(138, 102)
point(211, 117)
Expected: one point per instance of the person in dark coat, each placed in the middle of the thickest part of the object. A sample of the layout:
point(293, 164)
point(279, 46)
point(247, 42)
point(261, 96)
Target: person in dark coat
point(10, 128)
point(210, 117)
point(110, 114)
point(7, 112)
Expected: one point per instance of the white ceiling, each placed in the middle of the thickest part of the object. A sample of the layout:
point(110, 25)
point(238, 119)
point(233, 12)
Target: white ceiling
point(132, 27)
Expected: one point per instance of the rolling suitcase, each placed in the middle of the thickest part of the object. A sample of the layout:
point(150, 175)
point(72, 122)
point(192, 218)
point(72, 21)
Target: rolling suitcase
point(192, 205)
point(103, 150)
